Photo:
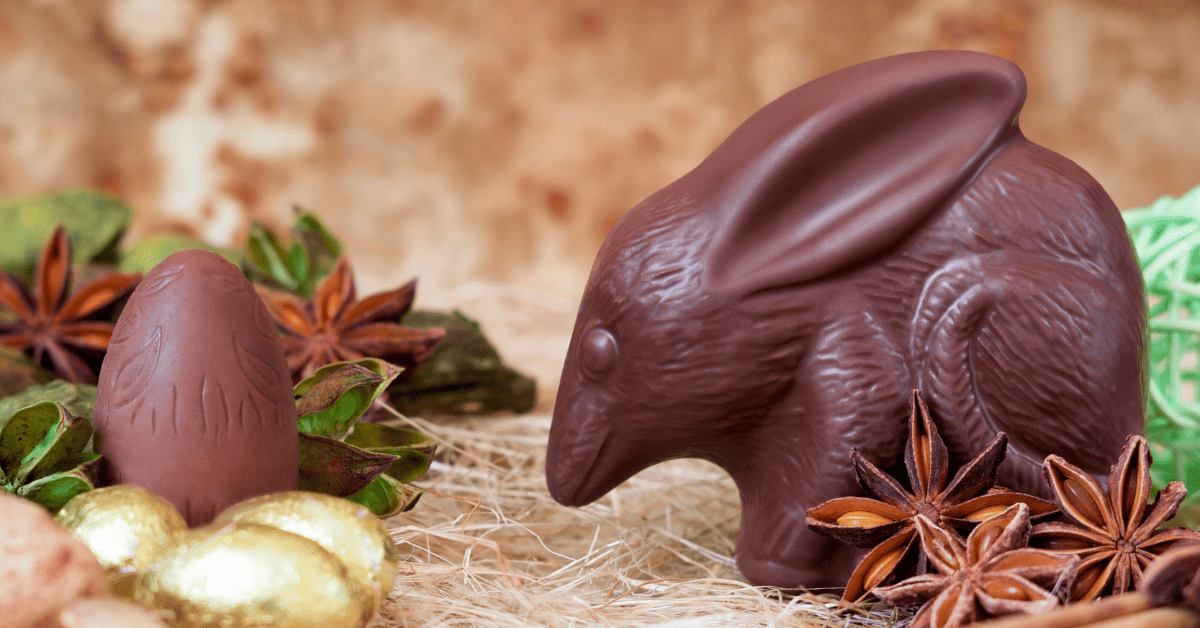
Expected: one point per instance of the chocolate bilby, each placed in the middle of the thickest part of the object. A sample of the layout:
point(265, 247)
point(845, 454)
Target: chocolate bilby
point(883, 228)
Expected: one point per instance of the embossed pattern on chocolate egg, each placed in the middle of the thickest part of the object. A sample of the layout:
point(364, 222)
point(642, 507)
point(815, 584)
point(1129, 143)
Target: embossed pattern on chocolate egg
point(195, 399)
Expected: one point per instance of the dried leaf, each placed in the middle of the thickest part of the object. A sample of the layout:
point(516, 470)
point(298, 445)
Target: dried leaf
point(386, 496)
point(330, 401)
point(94, 223)
point(149, 251)
point(413, 450)
point(42, 455)
point(297, 267)
point(18, 372)
point(78, 399)
point(370, 460)
point(26, 435)
point(464, 374)
point(267, 262)
point(330, 466)
point(64, 442)
point(54, 491)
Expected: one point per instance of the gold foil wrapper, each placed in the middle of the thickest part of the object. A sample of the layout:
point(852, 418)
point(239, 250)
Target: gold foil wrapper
point(127, 527)
point(344, 528)
point(246, 575)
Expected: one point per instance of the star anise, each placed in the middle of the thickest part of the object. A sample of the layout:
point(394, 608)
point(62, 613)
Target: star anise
point(336, 327)
point(989, 575)
point(1169, 595)
point(1173, 579)
point(889, 525)
point(67, 335)
point(1114, 532)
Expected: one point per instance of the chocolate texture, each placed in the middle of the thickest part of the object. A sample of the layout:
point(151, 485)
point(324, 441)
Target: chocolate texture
point(883, 228)
point(195, 399)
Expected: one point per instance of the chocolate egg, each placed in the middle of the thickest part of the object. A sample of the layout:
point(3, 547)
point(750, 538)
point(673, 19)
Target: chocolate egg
point(195, 400)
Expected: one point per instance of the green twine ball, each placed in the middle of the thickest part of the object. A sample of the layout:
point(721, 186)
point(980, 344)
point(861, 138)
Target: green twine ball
point(1166, 236)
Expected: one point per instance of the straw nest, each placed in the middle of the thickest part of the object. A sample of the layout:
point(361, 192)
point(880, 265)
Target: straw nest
point(487, 546)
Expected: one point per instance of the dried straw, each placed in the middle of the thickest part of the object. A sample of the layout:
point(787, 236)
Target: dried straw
point(487, 546)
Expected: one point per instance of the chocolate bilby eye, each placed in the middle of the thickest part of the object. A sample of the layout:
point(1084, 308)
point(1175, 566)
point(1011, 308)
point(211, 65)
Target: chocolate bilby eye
point(598, 352)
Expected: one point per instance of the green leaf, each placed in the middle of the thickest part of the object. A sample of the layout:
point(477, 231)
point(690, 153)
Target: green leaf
point(410, 466)
point(54, 491)
point(86, 460)
point(22, 434)
point(376, 435)
point(506, 390)
point(94, 223)
point(386, 497)
point(265, 259)
point(334, 399)
point(78, 399)
point(151, 250)
point(414, 450)
point(321, 251)
point(300, 265)
point(330, 466)
point(37, 439)
point(321, 245)
point(382, 368)
point(464, 375)
point(68, 440)
point(336, 395)
point(18, 372)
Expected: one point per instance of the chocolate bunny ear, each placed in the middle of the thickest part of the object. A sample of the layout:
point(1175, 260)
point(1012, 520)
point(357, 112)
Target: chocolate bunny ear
point(843, 168)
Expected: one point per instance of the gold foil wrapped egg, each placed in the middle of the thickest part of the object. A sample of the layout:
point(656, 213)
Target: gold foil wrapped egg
point(127, 527)
point(344, 528)
point(246, 575)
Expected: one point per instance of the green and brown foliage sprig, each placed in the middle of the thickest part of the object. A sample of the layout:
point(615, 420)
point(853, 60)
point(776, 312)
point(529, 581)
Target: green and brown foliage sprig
point(47, 454)
point(47, 393)
point(65, 331)
point(368, 463)
point(335, 326)
point(450, 367)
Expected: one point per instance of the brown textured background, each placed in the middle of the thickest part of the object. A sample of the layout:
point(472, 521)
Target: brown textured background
point(471, 142)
